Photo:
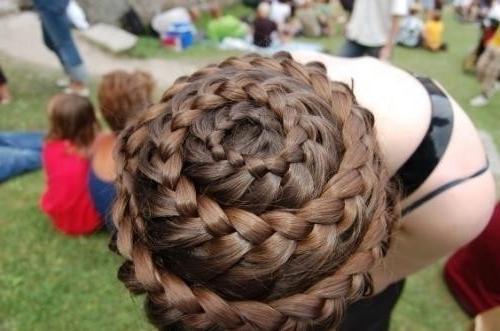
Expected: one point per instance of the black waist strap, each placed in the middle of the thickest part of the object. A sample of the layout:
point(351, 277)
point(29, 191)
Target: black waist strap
point(443, 188)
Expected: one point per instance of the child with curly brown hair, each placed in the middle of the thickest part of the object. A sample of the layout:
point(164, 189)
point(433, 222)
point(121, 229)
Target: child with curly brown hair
point(121, 96)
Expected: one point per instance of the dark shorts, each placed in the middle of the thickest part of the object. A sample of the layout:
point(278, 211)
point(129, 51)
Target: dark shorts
point(350, 48)
point(373, 314)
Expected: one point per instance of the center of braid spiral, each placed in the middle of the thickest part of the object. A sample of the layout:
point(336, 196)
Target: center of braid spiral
point(252, 197)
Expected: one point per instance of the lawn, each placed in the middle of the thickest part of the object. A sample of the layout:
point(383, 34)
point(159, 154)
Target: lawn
point(52, 282)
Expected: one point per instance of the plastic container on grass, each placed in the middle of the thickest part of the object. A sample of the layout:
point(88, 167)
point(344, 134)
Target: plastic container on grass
point(179, 36)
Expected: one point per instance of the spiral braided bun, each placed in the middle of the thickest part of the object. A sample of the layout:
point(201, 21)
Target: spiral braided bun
point(253, 197)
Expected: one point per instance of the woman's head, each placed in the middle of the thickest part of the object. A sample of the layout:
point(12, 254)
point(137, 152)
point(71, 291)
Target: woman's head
point(252, 196)
point(122, 95)
point(72, 117)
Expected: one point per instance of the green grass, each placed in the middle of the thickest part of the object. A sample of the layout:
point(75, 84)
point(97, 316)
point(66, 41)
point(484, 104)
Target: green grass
point(150, 47)
point(52, 282)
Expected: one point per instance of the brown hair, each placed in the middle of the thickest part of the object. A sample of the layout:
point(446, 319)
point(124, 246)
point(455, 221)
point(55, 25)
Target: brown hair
point(215, 9)
point(122, 95)
point(253, 197)
point(436, 15)
point(72, 117)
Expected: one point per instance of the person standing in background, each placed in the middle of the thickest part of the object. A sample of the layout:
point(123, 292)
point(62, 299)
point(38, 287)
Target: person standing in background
point(66, 151)
point(164, 21)
point(488, 64)
point(20, 152)
point(4, 89)
point(373, 28)
point(57, 37)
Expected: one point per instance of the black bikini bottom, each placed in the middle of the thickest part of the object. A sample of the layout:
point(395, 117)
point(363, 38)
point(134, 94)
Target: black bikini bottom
point(420, 165)
point(374, 314)
point(443, 188)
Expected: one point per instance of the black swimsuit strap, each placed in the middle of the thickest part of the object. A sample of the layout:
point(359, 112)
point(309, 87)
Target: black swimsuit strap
point(426, 157)
point(443, 188)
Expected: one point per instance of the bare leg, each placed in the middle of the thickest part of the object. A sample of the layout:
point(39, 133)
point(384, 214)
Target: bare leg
point(491, 70)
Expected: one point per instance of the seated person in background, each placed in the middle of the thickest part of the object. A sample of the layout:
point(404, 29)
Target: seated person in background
point(263, 27)
point(410, 31)
point(121, 96)
point(280, 12)
point(324, 11)
point(222, 26)
point(20, 152)
point(162, 22)
point(433, 33)
point(283, 14)
point(308, 18)
point(462, 8)
point(488, 64)
point(65, 156)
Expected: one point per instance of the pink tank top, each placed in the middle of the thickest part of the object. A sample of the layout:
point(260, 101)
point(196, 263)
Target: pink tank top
point(66, 199)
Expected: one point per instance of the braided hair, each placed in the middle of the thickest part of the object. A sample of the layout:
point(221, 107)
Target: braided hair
point(252, 197)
